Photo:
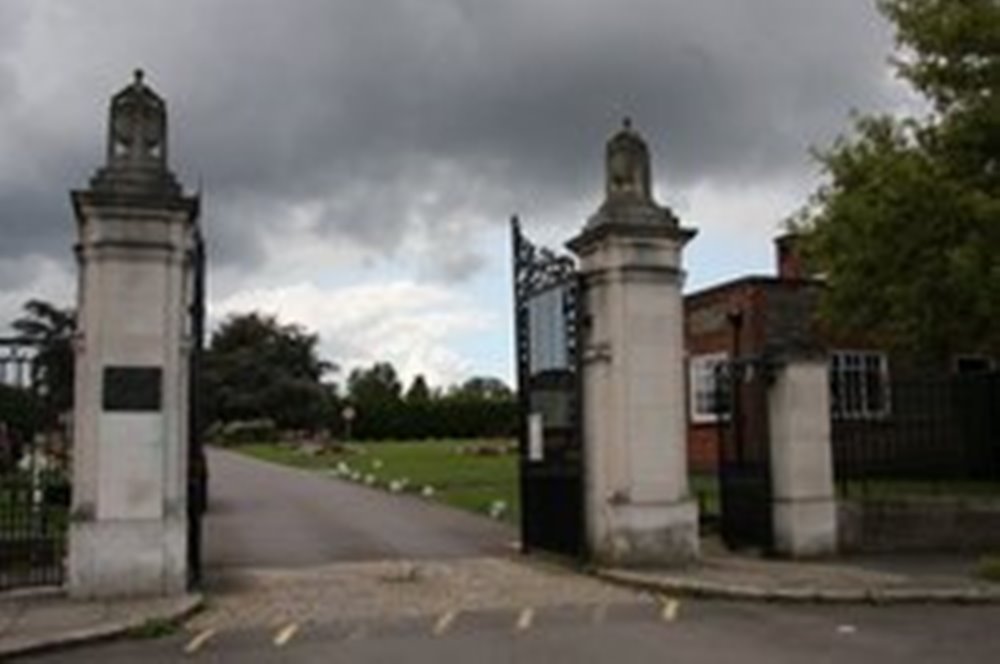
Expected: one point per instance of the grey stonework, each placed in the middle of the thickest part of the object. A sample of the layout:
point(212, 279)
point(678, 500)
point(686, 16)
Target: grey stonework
point(639, 508)
point(137, 232)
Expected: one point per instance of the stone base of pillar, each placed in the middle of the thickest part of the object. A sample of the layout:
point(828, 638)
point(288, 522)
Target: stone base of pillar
point(127, 558)
point(649, 535)
point(805, 528)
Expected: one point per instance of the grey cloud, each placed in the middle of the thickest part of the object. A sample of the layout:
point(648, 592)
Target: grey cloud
point(365, 110)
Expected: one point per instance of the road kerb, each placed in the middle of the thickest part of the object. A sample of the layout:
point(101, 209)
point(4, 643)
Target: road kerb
point(55, 639)
point(706, 589)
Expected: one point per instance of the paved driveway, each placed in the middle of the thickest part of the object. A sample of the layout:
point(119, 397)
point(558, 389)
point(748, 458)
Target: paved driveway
point(262, 515)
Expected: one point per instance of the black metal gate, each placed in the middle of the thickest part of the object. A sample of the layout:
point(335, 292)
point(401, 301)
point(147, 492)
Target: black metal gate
point(34, 469)
point(546, 319)
point(744, 454)
point(197, 463)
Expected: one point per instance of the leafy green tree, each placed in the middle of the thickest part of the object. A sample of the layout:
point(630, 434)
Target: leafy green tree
point(483, 388)
point(378, 385)
point(906, 228)
point(51, 328)
point(418, 392)
point(258, 368)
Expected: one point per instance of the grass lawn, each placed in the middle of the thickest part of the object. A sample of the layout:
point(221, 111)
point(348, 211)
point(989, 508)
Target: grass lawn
point(891, 488)
point(458, 477)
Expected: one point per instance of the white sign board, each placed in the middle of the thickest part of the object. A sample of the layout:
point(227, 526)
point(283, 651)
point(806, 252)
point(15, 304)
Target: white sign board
point(536, 444)
point(547, 329)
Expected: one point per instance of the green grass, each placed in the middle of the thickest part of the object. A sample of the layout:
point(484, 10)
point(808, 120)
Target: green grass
point(467, 481)
point(989, 568)
point(887, 488)
point(705, 488)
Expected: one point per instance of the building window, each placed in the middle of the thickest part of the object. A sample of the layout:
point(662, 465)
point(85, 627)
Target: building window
point(859, 384)
point(709, 387)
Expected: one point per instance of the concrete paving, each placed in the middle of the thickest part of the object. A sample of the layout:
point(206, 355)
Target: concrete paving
point(878, 579)
point(32, 621)
point(267, 516)
point(637, 633)
point(299, 562)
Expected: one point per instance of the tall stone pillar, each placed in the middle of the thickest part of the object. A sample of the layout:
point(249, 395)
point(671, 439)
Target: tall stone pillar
point(128, 531)
point(805, 508)
point(639, 509)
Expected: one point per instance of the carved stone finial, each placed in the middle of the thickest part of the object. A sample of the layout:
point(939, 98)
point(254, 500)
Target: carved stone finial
point(137, 143)
point(628, 199)
point(628, 168)
point(137, 133)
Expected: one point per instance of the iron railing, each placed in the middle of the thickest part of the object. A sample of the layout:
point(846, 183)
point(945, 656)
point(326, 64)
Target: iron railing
point(926, 435)
point(34, 482)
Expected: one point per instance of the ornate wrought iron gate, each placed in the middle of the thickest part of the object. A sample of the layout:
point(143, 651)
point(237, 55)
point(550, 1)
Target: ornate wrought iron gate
point(744, 454)
point(546, 319)
point(34, 472)
point(197, 464)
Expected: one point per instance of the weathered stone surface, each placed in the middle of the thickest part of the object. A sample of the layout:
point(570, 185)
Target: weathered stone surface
point(804, 509)
point(638, 508)
point(136, 238)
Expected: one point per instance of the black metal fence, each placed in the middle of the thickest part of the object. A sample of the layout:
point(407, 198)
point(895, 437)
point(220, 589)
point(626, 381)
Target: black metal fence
point(744, 464)
point(547, 327)
point(34, 480)
point(938, 434)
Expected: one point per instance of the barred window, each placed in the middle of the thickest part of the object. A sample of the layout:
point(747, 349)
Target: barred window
point(709, 387)
point(859, 384)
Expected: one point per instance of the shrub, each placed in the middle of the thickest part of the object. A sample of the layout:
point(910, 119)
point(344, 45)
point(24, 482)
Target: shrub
point(245, 431)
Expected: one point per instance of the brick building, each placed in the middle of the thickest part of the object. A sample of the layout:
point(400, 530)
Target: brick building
point(753, 316)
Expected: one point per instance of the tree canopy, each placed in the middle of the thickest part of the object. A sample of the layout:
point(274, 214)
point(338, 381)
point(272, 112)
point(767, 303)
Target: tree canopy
point(51, 327)
point(906, 227)
point(256, 367)
point(376, 386)
point(479, 407)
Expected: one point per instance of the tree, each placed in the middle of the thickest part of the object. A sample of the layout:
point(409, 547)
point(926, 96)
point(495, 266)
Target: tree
point(483, 388)
point(258, 368)
point(418, 393)
point(378, 385)
point(52, 329)
point(906, 228)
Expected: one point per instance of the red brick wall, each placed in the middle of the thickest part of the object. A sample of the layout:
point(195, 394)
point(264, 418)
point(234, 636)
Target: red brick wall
point(707, 330)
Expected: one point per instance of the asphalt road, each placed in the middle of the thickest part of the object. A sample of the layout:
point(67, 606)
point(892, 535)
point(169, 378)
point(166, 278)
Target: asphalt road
point(265, 516)
point(710, 632)
point(262, 515)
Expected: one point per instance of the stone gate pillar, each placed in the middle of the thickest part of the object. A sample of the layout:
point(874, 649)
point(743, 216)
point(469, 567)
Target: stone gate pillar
point(128, 531)
point(804, 507)
point(639, 510)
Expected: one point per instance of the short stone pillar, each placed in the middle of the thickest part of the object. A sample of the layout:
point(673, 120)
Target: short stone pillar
point(639, 509)
point(804, 508)
point(128, 530)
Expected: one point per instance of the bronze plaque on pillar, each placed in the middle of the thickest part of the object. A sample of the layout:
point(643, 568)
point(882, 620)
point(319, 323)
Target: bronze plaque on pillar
point(132, 389)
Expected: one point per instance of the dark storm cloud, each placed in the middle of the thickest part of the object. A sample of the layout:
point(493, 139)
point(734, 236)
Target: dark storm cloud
point(382, 117)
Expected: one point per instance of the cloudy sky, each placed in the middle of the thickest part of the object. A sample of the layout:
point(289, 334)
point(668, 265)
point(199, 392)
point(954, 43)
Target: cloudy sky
point(359, 159)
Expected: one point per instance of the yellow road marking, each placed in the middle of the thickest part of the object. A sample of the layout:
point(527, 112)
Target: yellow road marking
point(198, 641)
point(444, 622)
point(285, 635)
point(670, 608)
point(524, 620)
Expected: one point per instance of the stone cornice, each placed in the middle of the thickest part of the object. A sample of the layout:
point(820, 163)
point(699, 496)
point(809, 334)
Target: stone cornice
point(593, 234)
point(102, 199)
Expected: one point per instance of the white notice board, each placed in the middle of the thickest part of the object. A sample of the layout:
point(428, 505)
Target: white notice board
point(536, 446)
